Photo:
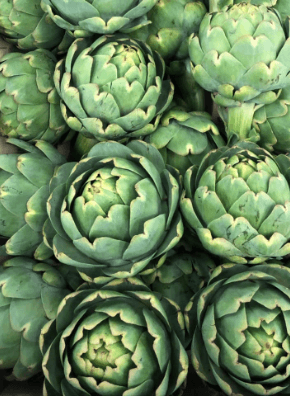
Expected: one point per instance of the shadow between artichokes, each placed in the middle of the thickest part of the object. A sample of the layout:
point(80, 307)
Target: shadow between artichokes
point(237, 201)
point(240, 326)
point(114, 211)
point(113, 88)
point(121, 339)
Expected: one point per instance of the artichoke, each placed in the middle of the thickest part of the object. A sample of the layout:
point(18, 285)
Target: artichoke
point(237, 201)
point(184, 138)
point(178, 276)
point(242, 56)
point(23, 196)
point(172, 22)
point(113, 89)
point(25, 24)
point(119, 340)
point(114, 211)
point(29, 102)
point(30, 293)
point(240, 327)
point(83, 18)
point(272, 123)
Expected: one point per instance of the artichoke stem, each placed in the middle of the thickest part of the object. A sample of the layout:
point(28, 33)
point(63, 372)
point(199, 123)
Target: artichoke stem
point(238, 120)
point(81, 147)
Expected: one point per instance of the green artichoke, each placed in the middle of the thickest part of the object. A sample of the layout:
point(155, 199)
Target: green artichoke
point(184, 138)
point(25, 24)
point(242, 56)
point(29, 102)
point(114, 211)
point(237, 201)
point(30, 293)
point(86, 17)
point(113, 89)
point(272, 123)
point(178, 276)
point(24, 190)
point(172, 22)
point(241, 325)
point(118, 340)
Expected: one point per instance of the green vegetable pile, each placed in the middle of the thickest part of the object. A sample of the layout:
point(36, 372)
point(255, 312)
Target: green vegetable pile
point(145, 196)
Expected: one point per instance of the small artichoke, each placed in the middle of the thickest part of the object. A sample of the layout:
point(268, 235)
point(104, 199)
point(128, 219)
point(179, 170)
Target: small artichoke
point(119, 340)
point(114, 211)
point(179, 275)
point(83, 18)
point(23, 195)
point(241, 54)
point(113, 89)
point(184, 138)
point(29, 102)
point(172, 22)
point(238, 203)
point(240, 326)
point(30, 293)
point(25, 24)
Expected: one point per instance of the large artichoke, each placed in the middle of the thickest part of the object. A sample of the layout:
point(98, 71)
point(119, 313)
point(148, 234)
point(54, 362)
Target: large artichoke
point(172, 22)
point(238, 203)
point(242, 56)
point(113, 89)
point(25, 24)
point(114, 211)
point(30, 293)
point(241, 329)
point(24, 190)
point(86, 17)
point(119, 340)
point(184, 138)
point(29, 102)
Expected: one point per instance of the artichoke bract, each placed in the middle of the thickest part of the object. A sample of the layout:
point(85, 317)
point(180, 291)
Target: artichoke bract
point(114, 211)
point(185, 138)
point(119, 340)
point(83, 18)
point(237, 201)
point(25, 24)
point(113, 88)
point(272, 123)
point(24, 190)
point(30, 293)
point(242, 56)
point(240, 323)
point(172, 22)
point(29, 102)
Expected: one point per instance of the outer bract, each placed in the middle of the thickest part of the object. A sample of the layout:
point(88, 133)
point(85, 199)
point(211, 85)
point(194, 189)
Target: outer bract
point(86, 17)
point(24, 190)
point(241, 55)
point(238, 203)
point(119, 340)
point(25, 24)
point(30, 293)
point(112, 89)
point(172, 22)
point(272, 123)
point(114, 211)
point(241, 325)
point(29, 102)
point(184, 138)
